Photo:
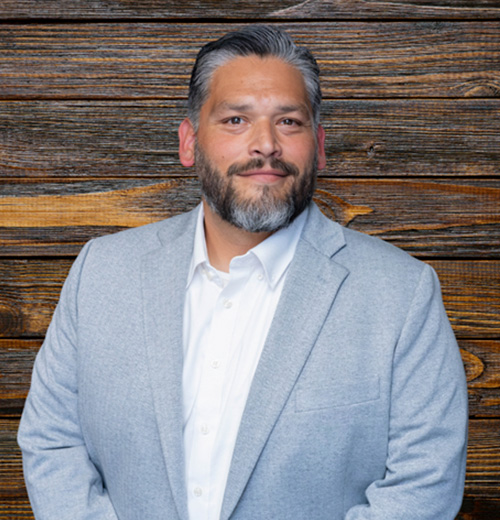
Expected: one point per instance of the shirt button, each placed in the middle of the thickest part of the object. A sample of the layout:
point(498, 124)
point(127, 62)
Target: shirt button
point(208, 274)
point(197, 492)
point(205, 430)
point(260, 277)
point(215, 363)
point(228, 304)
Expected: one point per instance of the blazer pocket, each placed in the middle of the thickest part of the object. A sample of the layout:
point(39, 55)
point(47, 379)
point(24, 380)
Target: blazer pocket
point(334, 394)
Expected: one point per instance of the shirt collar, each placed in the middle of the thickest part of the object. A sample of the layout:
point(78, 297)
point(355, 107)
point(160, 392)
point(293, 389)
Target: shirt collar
point(274, 254)
point(200, 255)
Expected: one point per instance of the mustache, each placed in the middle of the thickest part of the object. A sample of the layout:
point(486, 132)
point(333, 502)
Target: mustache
point(257, 164)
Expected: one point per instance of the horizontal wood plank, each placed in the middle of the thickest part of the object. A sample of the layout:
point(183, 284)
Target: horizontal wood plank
point(144, 60)
point(413, 137)
point(481, 360)
point(471, 294)
point(428, 218)
point(483, 458)
point(30, 289)
point(483, 470)
point(382, 138)
point(11, 474)
point(16, 364)
point(28, 295)
point(482, 364)
point(479, 508)
point(260, 9)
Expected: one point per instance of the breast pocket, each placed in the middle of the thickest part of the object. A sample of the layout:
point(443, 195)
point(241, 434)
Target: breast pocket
point(316, 396)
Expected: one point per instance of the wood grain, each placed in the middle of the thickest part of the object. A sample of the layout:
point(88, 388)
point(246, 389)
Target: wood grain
point(479, 508)
point(16, 364)
point(482, 473)
point(382, 138)
point(13, 497)
point(260, 9)
point(145, 60)
point(413, 137)
point(28, 295)
point(430, 218)
point(483, 458)
point(471, 292)
point(482, 364)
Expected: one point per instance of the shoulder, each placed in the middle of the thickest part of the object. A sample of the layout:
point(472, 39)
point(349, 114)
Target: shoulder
point(382, 282)
point(350, 246)
point(144, 238)
point(119, 255)
point(132, 244)
point(383, 267)
point(369, 260)
point(372, 251)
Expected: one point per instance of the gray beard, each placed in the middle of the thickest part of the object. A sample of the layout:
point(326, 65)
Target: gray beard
point(266, 213)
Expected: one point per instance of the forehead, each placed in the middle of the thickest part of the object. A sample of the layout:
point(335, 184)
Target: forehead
point(260, 80)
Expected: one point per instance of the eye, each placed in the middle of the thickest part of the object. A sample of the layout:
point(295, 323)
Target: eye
point(235, 120)
point(288, 121)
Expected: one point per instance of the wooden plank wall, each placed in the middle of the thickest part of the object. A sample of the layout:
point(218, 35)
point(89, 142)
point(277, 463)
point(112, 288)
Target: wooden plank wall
point(91, 93)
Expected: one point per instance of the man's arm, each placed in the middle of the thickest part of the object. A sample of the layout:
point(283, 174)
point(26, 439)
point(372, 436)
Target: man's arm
point(425, 467)
point(61, 479)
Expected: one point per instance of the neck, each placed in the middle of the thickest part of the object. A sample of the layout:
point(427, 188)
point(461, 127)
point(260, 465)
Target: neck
point(225, 241)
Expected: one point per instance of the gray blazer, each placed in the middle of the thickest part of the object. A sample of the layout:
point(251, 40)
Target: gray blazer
point(358, 408)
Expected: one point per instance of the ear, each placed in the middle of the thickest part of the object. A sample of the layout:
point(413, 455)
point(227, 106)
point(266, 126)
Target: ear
point(321, 147)
point(187, 138)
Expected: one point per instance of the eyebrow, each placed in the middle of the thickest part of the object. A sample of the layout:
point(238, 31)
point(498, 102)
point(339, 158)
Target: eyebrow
point(294, 108)
point(231, 106)
point(300, 107)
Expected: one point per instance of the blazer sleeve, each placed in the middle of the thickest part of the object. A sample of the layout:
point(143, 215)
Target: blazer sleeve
point(425, 467)
point(61, 479)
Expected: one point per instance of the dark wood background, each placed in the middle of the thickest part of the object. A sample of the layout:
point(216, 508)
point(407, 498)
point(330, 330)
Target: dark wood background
point(91, 93)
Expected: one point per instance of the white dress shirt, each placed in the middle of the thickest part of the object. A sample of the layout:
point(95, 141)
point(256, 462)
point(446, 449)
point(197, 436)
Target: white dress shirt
point(226, 320)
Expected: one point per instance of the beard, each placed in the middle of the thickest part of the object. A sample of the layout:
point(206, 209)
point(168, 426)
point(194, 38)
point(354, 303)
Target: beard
point(272, 209)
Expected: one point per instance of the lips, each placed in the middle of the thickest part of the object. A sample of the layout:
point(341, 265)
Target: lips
point(263, 176)
point(257, 167)
point(258, 173)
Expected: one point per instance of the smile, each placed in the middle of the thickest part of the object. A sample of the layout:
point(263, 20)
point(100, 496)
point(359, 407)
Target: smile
point(264, 176)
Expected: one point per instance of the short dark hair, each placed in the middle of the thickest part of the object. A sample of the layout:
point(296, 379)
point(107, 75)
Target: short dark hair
point(259, 40)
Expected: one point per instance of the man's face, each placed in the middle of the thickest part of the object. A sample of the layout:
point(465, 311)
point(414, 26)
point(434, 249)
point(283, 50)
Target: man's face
point(255, 150)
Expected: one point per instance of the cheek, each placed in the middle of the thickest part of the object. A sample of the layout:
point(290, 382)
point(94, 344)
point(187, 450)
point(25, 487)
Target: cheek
point(221, 151)
point(301, 156)
point(301, 148)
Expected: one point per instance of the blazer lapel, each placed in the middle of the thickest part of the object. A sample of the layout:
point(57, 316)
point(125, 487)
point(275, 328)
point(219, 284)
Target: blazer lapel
point(164, 273)
point(299, 317)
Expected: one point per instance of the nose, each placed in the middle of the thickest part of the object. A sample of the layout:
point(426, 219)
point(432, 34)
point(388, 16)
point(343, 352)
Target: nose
point(264, 140)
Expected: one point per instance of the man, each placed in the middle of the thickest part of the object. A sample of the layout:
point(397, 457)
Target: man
point(250, 359)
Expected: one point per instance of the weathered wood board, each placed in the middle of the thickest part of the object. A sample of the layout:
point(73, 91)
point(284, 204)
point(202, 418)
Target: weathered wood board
point(369, 138)
point(260, 9)
point(427, 217)
point(143, 60)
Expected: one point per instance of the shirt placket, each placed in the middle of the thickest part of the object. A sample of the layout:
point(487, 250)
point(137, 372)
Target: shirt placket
point(209, 407)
